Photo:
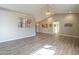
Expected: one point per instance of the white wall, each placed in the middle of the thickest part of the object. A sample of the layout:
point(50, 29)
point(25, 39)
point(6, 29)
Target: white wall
point(9, 27)
point(68, 18)
point(63, 19)
point(46, 30)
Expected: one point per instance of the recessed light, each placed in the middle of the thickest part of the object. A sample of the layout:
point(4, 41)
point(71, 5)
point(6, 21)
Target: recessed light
point(70, 11)
point(48, 13)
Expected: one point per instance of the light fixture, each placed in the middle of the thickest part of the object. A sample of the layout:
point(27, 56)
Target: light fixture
point(48, 11)
point(37, 24)
point(70, 11)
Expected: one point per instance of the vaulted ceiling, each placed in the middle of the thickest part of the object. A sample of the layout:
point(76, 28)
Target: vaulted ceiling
point(38, 10)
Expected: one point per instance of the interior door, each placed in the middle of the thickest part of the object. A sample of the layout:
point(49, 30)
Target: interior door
point(56, 27)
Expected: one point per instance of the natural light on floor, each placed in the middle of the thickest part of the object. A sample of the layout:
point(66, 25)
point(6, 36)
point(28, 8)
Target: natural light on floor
point(44, 51)
point(47, 46)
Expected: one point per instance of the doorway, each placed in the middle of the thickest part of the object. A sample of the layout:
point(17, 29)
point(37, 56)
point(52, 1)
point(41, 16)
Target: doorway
point(56, 27)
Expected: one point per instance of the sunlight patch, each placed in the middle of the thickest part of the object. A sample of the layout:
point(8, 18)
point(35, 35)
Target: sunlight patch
point(47, 46)
point(44, 51)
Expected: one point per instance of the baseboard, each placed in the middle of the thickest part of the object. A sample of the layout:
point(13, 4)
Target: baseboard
point(63, 35)
point(69, 35)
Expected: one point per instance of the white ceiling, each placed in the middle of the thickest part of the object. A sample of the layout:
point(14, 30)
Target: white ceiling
point(38, 10)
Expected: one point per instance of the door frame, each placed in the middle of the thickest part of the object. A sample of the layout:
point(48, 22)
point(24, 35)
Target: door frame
point(56, 27)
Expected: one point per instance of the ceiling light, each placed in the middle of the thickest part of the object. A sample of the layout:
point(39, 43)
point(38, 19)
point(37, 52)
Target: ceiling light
point(70, 11)
point(48, 13)
point(49, 10)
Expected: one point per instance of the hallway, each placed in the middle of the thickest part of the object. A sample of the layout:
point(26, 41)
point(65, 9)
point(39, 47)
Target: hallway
point(55, 45)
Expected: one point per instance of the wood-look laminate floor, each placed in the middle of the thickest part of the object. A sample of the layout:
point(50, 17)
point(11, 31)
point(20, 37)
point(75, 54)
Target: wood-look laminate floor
point(41, 44)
